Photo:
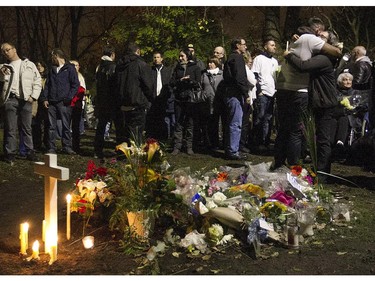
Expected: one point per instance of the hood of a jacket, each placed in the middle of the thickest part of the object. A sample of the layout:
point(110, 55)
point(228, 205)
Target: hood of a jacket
point(126, 60)
point(365, 59)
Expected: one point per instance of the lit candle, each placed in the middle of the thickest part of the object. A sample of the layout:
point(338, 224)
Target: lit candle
point(44, 231)
point(53, 254)
point(35, 254)
point(24, 237)
point(68, 199)
point(88, 242)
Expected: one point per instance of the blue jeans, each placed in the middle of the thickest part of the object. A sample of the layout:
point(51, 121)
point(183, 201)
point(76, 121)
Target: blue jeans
point(17, 113)
point(263, 118)
point(234, 124)
point(60, 111)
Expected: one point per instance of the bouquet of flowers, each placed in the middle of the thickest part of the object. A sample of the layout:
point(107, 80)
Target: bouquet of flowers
point(90, 192)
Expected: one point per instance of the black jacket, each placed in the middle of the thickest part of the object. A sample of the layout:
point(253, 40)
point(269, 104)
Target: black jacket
point(322, 85)
point(166, 74)
point(180, 87)
point(235, 75)
point(105, 87)
point(361, 71)
point(134, 82)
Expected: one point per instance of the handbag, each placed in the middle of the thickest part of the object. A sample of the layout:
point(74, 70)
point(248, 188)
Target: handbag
point(198, 95)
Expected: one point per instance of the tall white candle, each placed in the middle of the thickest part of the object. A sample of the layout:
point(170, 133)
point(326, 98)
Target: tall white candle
point(53, 255)
point(287, 46)
point(24, 237)
point(68, 199)
point(44, 231)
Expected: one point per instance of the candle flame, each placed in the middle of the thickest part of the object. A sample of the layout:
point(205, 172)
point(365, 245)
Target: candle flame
point(25, 226)
point(36, 246)
point(68, 198)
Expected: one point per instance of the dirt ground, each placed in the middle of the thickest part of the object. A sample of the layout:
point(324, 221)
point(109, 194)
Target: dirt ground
point(337, 249)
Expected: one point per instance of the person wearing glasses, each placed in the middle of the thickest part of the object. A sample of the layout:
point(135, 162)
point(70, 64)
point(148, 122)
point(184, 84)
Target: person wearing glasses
point(61, 86)
point(21, 87)
point(236, 87)
point(219, 53)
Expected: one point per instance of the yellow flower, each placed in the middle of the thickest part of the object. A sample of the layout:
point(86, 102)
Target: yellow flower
point(251, 188)
point(124, 148)
point(152, 148)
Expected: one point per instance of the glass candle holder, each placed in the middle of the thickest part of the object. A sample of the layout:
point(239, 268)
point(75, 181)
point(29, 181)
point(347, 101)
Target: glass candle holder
point(88, 242)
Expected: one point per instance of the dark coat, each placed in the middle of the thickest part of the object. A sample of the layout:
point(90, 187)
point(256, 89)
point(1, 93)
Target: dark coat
point(322, 85)
point(105, 98)
point(361, 71)
point(166, 73)
point(134, 82)
point(61, 86)
point(235, 77)
point(182, 87)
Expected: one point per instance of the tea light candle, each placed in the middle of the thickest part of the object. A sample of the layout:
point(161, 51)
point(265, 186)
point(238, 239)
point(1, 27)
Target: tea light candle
point(35, 254)
point(88, 242)
point(68, 199)
point(24, 237)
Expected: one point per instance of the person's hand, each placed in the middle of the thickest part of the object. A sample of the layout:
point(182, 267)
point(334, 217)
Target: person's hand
point(46, 104)
point(295, 37)
point(5, 71)
point(187, 77)
point(286, 53)
point(30, 100)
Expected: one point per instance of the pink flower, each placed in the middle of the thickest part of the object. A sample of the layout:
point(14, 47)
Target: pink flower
point(282, 197)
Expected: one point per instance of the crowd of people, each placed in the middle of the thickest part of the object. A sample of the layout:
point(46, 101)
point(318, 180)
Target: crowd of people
point(232, 103)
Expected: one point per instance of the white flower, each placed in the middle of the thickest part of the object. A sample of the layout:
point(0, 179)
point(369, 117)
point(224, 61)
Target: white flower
point(89, 184)
point(196, 240)
point(218, 197)
point(210, 204)
point(100, 185)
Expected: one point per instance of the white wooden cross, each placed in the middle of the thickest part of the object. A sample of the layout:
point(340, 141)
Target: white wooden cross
point(51, 173)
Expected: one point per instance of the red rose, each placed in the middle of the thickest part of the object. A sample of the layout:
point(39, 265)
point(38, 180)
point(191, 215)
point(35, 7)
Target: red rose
point(82, 209)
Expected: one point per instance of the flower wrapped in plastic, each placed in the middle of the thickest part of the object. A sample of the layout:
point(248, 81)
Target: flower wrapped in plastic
point(90, 192)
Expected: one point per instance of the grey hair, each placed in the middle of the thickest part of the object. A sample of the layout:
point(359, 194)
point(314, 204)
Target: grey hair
point(343, 75)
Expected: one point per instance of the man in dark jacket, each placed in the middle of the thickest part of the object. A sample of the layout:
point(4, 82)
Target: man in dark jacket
point(159, 123)
point(61, 86)
point(322, 99)
point(107, 108)
point(361, 69)
point(236, 88)
point(134, 90)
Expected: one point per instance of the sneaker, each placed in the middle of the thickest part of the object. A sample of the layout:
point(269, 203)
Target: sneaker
point(9, 159)
point(175, 151)
point(189, 151)
point(69, 151)
point(98, 156)
point(244, 149)
point(109, 139)
point(32, 157)
point(235, 157)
